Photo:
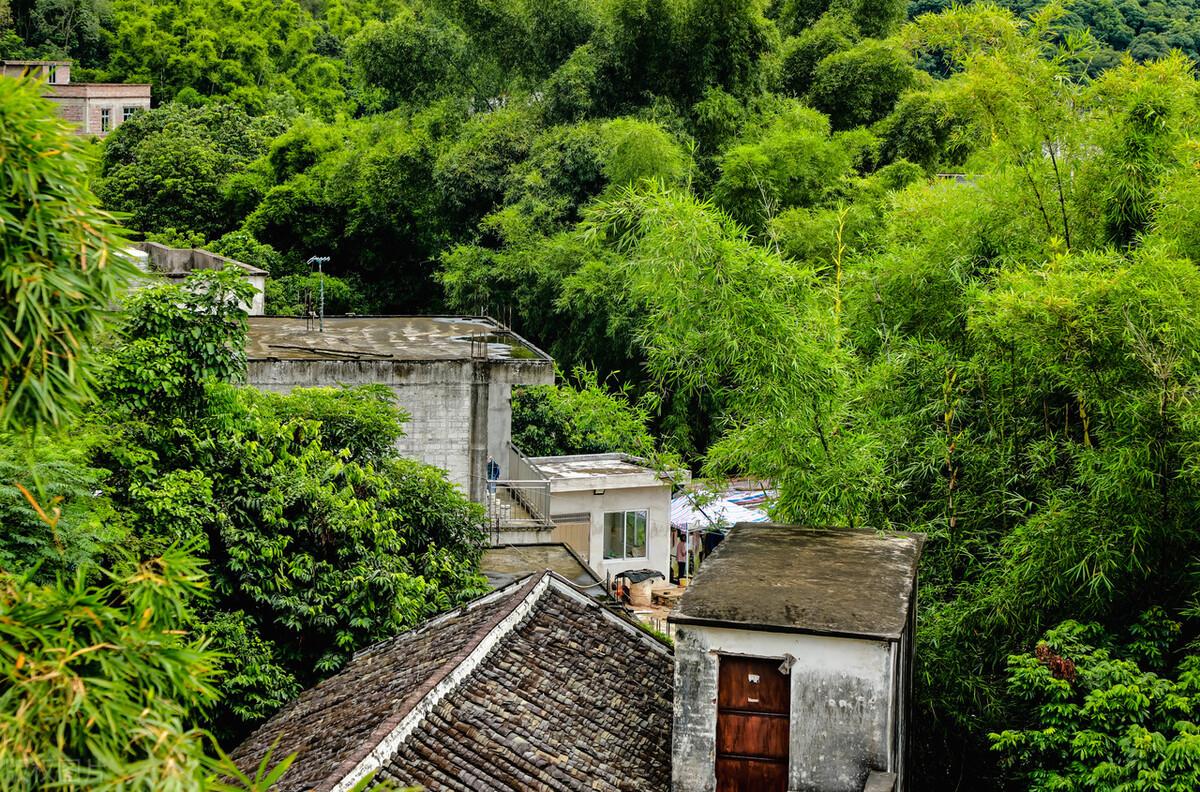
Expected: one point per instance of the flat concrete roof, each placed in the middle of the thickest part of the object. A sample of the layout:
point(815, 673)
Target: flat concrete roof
point(588, 465)
point(601, 471)
point(789, 578)
point(504, 565)
point(397, 338)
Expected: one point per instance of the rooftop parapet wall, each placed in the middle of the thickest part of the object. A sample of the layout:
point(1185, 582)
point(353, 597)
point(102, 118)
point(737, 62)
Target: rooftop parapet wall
point(178, 262)
point(100, 91)
point(600, 471)
point(399, 339)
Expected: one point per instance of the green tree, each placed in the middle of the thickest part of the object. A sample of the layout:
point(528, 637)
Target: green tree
point(1099, 717)
point(168, 168)
point(177, 338)
point(415, 56)
point(861, 85)
point(320, 539)
point(145, 680)
point(800, 55)
point(725, 40)
point(103, 687)
point(579, 416)
point(792, 162)
point(59, 269)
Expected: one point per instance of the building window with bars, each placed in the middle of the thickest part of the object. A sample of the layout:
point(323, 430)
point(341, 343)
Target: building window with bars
point(105, 119)
point(127, 113)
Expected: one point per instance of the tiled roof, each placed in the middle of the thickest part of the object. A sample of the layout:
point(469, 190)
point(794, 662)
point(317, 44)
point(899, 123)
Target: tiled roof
point(534, 687)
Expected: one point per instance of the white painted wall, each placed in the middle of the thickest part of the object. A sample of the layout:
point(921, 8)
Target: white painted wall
point(655, 501)
point(258, 301)
point(842, 712)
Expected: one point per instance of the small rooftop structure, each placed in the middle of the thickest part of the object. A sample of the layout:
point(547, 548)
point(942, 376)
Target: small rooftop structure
point(504, 565)
point(534, 686)
point(595, 471)
point(177, 263)
point(613, 509)
point(789, 578)
point(793, 658)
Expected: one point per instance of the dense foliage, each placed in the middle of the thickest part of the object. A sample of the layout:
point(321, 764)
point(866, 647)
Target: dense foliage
point(1144, 30)
point(320, 540)
point(181, 555)
point(1099, 713)
point(102, 686)
point(579, 416)
point(935, 274)
point(57, 268)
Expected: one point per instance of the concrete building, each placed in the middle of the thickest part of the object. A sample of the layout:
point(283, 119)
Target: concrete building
point(452, 374)
point(613, 509)
point(177, 263)
point(793, 662)
point(94, 108)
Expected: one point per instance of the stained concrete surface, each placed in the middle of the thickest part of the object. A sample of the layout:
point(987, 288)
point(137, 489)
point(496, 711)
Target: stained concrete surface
point(792, 578)
point(385, 337)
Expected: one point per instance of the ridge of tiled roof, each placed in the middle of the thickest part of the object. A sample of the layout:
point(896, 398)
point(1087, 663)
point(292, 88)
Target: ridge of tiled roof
point(331, 724)
point(575, 698)
point(355, 722)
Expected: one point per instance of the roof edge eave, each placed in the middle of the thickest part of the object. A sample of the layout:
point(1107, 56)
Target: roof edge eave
point(699, 621)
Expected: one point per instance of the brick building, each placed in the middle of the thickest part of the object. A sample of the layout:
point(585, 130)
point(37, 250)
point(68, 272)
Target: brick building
point(94, 108)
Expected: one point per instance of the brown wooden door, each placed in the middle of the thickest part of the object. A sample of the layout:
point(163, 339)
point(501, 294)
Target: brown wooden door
point(753, 705)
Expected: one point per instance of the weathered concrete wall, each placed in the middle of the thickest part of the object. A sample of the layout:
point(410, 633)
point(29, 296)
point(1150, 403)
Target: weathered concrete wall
point(258, 301)
point(459, 408)
point(655, 501)
point(841, 711)
point(436, 394)
point(500, 423)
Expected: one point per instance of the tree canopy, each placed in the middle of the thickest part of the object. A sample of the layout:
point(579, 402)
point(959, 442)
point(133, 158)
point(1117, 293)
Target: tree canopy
point(923, 271)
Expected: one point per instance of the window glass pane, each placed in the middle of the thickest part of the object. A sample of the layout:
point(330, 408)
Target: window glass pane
point(614, 535)
point(635, 534)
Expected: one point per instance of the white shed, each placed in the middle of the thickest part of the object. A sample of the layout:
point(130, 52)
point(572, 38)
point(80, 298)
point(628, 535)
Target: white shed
point(613, 509)
point(793, 661)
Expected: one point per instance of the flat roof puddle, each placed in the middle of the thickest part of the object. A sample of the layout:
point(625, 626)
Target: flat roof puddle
point(499, 346)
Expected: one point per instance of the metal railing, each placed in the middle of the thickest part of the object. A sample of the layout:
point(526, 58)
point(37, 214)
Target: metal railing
point(522, 500)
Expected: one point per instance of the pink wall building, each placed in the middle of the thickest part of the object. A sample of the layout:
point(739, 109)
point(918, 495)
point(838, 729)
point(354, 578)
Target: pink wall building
point(94, 108)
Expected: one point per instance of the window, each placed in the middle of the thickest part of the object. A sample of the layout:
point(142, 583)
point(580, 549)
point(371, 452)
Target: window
point(127, 113)
point(52, 77)
point(625, 534)
point(105, 119)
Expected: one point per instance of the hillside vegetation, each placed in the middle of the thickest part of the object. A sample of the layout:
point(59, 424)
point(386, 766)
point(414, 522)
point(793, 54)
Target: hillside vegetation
point(925, 271)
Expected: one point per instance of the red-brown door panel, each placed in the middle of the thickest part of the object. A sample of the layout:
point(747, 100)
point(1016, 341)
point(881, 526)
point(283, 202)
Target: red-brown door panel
point(748, 683)
point(753, 735)
point(750, 775)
